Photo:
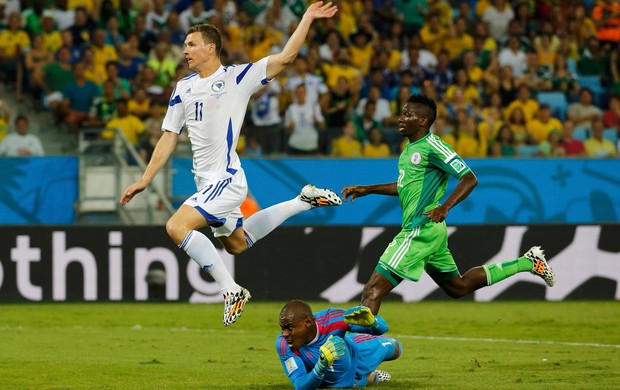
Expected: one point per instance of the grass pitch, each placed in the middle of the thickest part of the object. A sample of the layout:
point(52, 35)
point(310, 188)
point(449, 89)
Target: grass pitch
point(447, 345)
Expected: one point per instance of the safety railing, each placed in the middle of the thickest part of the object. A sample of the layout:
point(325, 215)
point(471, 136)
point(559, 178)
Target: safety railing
point(107, 167)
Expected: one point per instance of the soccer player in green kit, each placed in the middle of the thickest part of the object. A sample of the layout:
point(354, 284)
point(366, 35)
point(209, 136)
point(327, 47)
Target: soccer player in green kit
point(422, 244)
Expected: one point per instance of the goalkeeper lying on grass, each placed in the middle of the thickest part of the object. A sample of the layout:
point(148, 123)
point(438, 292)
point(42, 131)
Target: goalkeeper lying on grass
point(316, 350)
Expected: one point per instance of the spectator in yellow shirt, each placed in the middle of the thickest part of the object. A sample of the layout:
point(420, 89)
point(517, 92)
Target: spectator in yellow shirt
point(87, 4)
point(347, 145)
point(343, 68)
point(443, 9)
point(93, 71)
point(525, 103)
point(474, 72)
point(433, 34)
point(102, 51)
point(376, 148)
point(261, 40)
point(462, 83)
point(491, 123)
point(457, 39)
point(5, 116)
point(518, 125)
point(129, 124)
point(540, 128)
point(140, 105)
point(361, 50)
point(14, 41)
point(52, 40)
point(36, 59)
point(469, 143)
point(597, 146)
point(395, 57)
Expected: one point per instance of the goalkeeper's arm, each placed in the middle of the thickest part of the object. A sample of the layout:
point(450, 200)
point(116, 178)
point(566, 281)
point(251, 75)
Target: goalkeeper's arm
point(334, 348)
point(361, 320)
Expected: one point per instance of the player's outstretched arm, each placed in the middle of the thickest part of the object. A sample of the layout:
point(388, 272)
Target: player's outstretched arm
point(462, 190)
point(278, 62)
point(164, 148)
point(361, 320)
point(352, 192)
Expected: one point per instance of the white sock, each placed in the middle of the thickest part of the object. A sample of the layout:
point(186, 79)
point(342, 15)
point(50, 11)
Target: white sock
point(264, 221)
point(202, 250)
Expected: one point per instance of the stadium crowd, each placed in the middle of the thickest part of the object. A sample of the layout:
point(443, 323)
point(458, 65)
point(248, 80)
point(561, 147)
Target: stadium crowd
point(521, 78)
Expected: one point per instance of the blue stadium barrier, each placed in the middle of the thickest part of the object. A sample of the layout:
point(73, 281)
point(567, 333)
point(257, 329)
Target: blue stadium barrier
point(43, 190)
point(511, 190)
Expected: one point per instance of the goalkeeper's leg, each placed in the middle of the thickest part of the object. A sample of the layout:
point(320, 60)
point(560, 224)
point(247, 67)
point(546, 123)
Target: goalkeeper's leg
point(372, 352)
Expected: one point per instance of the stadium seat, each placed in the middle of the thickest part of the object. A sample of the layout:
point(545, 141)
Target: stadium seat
point(611, 134)
point(581, 133)
point(528, 150)
point(593, 83)
point(571, 66)
point(557, 101)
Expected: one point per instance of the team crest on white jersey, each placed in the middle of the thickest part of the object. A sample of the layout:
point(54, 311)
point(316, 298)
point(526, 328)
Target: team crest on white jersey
point(416, 158)
point(218, 86)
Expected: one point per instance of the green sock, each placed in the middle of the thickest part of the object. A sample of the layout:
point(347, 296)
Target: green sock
point(500, 271)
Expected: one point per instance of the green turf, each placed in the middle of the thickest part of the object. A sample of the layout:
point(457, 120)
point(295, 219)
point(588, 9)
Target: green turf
point(447, 345)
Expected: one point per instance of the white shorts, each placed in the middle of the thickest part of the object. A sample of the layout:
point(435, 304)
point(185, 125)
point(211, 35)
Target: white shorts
point(218, 201)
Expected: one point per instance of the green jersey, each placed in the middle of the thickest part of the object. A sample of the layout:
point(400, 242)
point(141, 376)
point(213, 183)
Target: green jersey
point(423, 169)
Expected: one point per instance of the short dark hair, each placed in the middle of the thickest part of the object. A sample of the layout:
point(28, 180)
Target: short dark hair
point(110, 63)
point(21, 118)
point(427, 105)
point(210, 34)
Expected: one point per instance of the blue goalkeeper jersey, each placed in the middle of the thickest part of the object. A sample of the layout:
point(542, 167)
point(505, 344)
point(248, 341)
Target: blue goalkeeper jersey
point(343, 372)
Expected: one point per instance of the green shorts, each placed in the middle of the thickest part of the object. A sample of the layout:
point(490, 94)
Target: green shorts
point(423, 248)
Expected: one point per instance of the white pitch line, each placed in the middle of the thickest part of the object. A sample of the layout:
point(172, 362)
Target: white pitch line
point(491, 340)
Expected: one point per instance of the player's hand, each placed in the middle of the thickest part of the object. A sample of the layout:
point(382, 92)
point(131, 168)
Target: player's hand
point(359, 315)
point(331, 350)
point(320, 10)
point(132, 191)
point(353, 192)
point(437, 214)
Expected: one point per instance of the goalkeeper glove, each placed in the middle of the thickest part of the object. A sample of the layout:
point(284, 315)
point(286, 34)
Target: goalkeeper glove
point(359, 315)
point(331, 350)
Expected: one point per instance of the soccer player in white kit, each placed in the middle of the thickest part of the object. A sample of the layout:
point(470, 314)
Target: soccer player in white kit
point(211, 104)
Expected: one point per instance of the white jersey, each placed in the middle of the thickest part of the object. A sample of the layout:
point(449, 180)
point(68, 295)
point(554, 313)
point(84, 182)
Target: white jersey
point(315, 87)
point(212, 109)
point(305, 135)
point(14, 144)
